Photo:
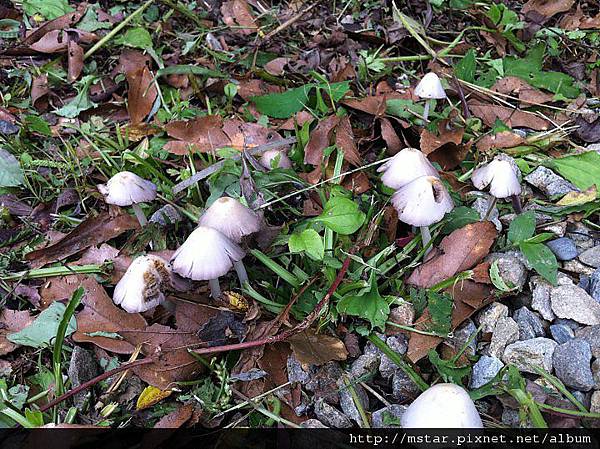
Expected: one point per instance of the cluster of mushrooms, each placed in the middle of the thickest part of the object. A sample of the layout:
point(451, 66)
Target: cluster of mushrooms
point(214, 247)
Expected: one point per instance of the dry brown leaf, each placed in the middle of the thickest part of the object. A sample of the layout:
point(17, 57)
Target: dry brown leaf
point(237, 14)
point(74, 57)
point(12, 321)
point(514, 118)
point(333, 128)
point(255, 87)
point(176, 418)
point(132, 60)
point(526, 93)
point(446, 147)
point(93, 231)
point(357, 183)
point(100, 314)
point(203, 134)
point(503, 139)
point(298, 120)
point(393, 142)
point(317, 349)
point(142, 94)
point(276, 66)
point(39, 90)
point(577, 21)
point(344, 140)
point(459, 251)
point(547, 8)
point(59, 23)
point(57, 41)
point(245, 135)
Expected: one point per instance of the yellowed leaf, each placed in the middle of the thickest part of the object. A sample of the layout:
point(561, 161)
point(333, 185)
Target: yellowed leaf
point(150, 396)
point(577, 198)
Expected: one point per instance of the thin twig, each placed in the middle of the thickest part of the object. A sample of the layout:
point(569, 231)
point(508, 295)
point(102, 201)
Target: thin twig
point(94, 381)
point(289, 22)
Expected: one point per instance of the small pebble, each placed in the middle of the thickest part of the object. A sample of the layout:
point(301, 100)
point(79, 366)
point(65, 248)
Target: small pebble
point(388, 417)
point(549, 182)
point(563, 248)
point(591, 257)
point(561, 333)
point(530, 325)
point(485, 370)
point(571, 361)
point(594, 286)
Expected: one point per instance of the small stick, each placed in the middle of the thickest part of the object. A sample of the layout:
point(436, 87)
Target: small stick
point(289, 22)
point(94, 381)
point(216, 166)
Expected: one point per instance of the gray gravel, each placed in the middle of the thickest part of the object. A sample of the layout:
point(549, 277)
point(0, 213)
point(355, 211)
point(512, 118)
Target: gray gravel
point(511, 269)
point(549, 182)
point(505, 332)
point(485, 370)
point(489, 316)
point(563, 248)
point(561, 333)
point(571, 362)
point(529, 353)
point(591, 257)
point(530, 325)
point(331, 416)
point(574, 303)
point(388, 417)
point(594, 285)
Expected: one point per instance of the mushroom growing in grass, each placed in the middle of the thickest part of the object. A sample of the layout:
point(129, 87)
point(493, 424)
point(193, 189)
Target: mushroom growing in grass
point(422, 203)
point(206, 255)
point(235, 221)
point(430, 88)
point(502, 175)
point(406, 166)
point(128, 189)
point(142, 286)
point(445, 406)
point(270, 157)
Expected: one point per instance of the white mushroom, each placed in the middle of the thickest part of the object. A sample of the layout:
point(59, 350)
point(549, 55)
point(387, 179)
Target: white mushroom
point(235, 221)
point(128, 189)
point(430, 88)
point(422, 202)
point(206, 255)
point(406, 166)
point(275, 159)
point(444, 406)
point(142, 286)
point(502, 175)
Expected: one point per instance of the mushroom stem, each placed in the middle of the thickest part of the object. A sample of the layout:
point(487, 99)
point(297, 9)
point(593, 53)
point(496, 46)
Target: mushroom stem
point(425, 238)
point(240, 269)
point(516, 204)
point(426, 110)
point(215, 288)
point(139, 214)
point(488, 214)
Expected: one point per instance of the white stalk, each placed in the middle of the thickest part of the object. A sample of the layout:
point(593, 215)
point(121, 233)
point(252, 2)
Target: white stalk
point(240, 269)
point(215, 288)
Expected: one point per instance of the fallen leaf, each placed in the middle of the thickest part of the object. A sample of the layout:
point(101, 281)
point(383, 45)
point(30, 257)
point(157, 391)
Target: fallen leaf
point(323, 135)
point(577, 198)
point(243, 135)
point(255, 87)
point(150, 396)
point(547, 8)
point(12, 321)
point(74, 57)
point(344, 140)
point(142, 94)
point(513, 118)
point(526, 93)
point(100, 317)
point(59, 23)
point(317, 349)
point(276, 66)
point(92, 231)
point(445, 147)
point(57, 41)
point(393, 142)
point(357, 183)
point(237, 15)
point(203, 134)
point(175, 419)
point(39, 90)
point(578, 21)
point(503, 139)
point(461, 250)
point(588, 132)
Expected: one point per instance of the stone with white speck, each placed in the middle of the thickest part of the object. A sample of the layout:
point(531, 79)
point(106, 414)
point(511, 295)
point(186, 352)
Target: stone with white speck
point(574, 303)
point(563, 248)
point(505, 332)
point(489, 316)
point(485, 370)
point(511, 269)
point(540, 297)
point(529, 353)
point(571, 361)
point(591, 257)
point(530, 325)
point(331, 416)
point(549, 182)
point(591, 334)
point(561, 333)
point(594, 285)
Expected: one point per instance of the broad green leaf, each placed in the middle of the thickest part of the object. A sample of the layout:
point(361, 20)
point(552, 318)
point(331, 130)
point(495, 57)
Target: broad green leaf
point(465, 69)
point(522, 227)
point(448, 369)
point(81, 102)
point(11, 174)
point(136, 37)
point(583, 169)
point(530, 69)
point(440, 309)
point(541, 259)
point(89, 22)
point(41, 332)
point(341, 215)
point(369, 306)
point(459, 217)
point(38, 125)
point(404, 108)
point(50, 9)
point(308, 241)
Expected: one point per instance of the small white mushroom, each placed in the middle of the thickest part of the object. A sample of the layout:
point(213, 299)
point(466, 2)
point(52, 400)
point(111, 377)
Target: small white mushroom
point(235, 221)
point(422, 203)
point(206, 255)
point(142, 286)
point(502, 175)
point(128, 189)
point(406, 166)
point(430, 88)
point(275, 159)
point(444, 406)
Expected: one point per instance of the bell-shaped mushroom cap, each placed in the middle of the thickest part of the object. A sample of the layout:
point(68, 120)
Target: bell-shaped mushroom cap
point(406, 166)
point(502, 175)
point(231, 218)
point(141, 287)
point(445, 406)
point(126, 188)
point(430, 87)
point(268, 157)
point(206, 254)
point(422, 202)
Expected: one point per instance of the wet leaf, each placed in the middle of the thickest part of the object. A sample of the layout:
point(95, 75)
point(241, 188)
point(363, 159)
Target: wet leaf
point(10, 170)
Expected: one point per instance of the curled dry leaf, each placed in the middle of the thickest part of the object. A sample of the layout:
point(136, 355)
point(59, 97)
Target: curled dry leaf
point(74, 57)
point(12, 321)
point(57, 41)
point(59, 23)
point(142, 94)
point(526, 93)
point(104, 324)
point(514, 118)
point(176, 418)
point(39, 90)
point(461, 250)
point(317, 349)
point(547, 8)
point(333, 128)
point(93, 231)
point(578, 21)
point(503, 139)
point(276, 67)
point(203, 134)
point(244, 135)
point(445, 147)
point(237, 15)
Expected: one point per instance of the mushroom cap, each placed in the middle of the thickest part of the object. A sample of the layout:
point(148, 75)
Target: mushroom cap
point(422, 202)
point(445, 406)
point(126, 188)
point(430, 87)
point(269, 156)
point(406, 166)
point(206, 254)
point(141, 287)
point(502, 175)
point(231, 218)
